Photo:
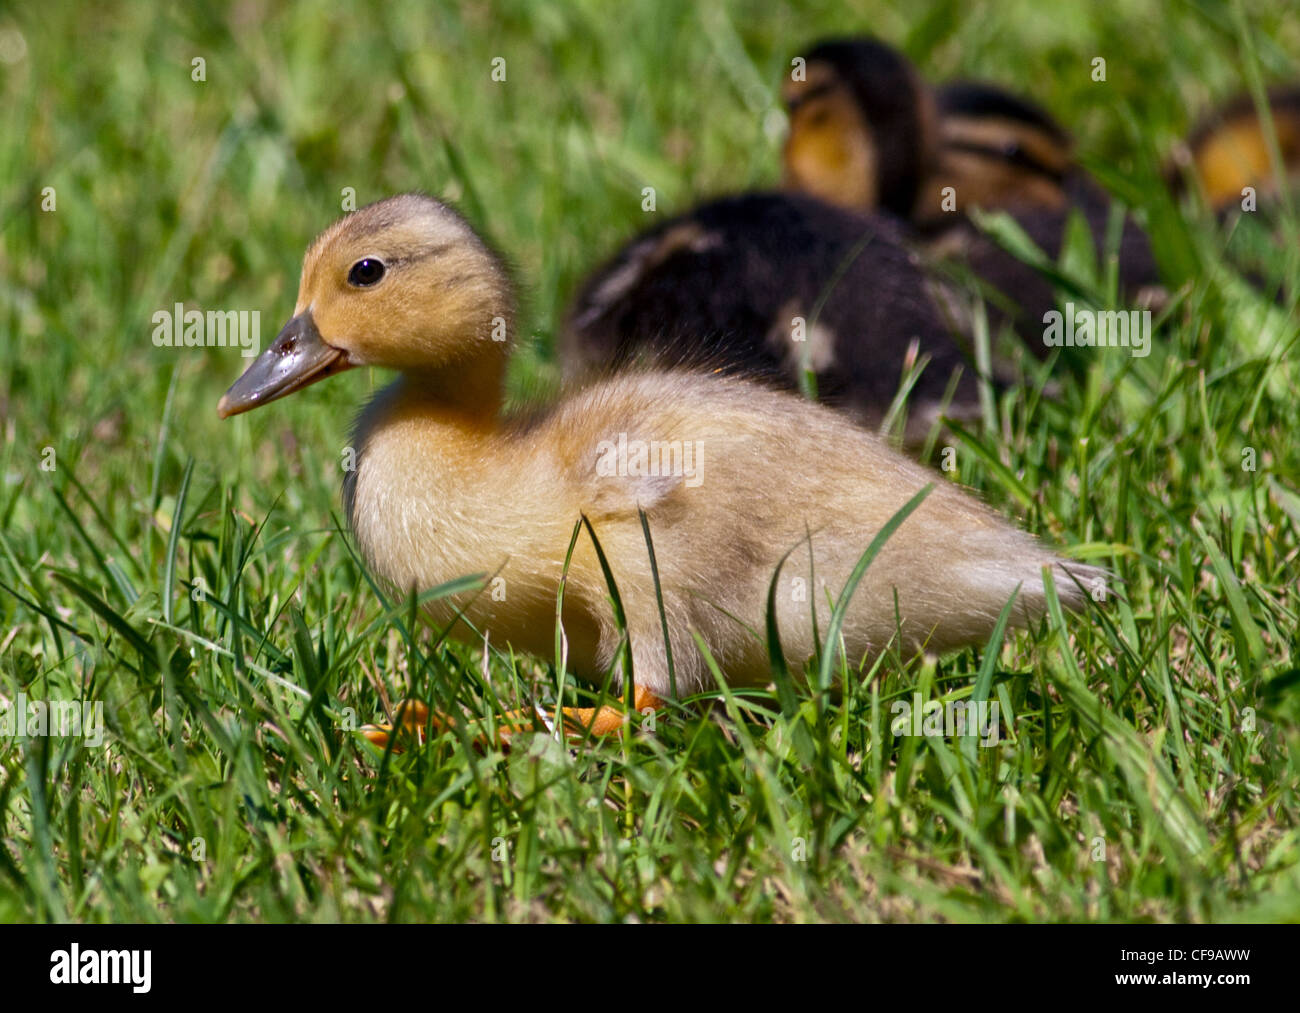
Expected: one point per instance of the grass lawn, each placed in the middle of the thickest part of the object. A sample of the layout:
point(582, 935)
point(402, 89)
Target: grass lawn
point(194, 577)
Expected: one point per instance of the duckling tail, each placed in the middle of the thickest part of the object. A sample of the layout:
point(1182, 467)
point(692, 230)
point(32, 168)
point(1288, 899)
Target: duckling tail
point(1078, 583)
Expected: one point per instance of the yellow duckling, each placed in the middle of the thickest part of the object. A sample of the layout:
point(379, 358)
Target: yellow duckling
point(731, 476)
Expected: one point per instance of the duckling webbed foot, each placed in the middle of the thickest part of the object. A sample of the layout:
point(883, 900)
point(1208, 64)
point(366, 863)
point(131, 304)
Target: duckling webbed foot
point(414, 717)
point(580, 722)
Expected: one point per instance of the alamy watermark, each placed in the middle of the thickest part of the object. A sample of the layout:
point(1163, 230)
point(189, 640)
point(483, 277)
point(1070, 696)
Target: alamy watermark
point(39, 718)
point(75, 966)
point(651, 458)
point(1084, 328)
point(182, 328)
point(950, 719)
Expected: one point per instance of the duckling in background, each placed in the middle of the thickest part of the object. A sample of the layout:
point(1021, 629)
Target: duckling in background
point(780, 286)
point(1227, 162)
point(995, 150)
point(998, 150)
point(445, 486)
point(868, 133)
point(863, 127)
point(1229, 150)
point(771, 285)
point(723, 285)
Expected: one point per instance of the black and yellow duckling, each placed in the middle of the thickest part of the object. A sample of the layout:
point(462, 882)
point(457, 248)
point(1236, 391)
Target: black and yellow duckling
point(968, 146)
point(1001, 152)
point(1229, 150)
point(731, 477)
point(998, 150)
point(862, 108)
point(863, 127)
point(771, 286)
point(868, 133)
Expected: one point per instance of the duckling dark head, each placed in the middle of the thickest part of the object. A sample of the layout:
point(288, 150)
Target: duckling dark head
point(862, 126)
point(997, 150)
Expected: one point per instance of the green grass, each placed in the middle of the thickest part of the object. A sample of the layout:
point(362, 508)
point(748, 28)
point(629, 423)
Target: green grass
point(192, 577)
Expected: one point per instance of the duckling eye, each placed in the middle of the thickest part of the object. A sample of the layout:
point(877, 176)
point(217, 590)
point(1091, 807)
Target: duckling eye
point(366, 272)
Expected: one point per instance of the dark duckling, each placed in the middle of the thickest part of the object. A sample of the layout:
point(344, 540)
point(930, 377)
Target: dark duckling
point(774, 285)
point(968, 146)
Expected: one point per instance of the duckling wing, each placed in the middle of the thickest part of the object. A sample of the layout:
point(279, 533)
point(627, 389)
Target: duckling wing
point(739, 474)
point(626, 446)
point(741, 484)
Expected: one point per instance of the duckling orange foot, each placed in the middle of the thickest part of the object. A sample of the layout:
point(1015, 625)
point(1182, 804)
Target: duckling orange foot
point(580, 722)
point(413, 718)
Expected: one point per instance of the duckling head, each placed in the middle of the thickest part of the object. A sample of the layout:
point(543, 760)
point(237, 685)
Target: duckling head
point(998, 149)
point(862, 126)
point(404, 284)
point(1229, 150)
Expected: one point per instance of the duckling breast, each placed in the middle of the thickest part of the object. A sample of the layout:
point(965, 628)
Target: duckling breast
point(435, 498)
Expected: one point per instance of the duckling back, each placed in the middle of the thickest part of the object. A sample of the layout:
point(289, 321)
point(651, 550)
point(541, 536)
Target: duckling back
point(771, 286)
point(1017, 293)
point(997, 150)
point(773, 473)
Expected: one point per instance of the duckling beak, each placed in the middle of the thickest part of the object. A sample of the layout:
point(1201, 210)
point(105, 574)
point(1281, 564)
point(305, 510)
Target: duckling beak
point(296, 359)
